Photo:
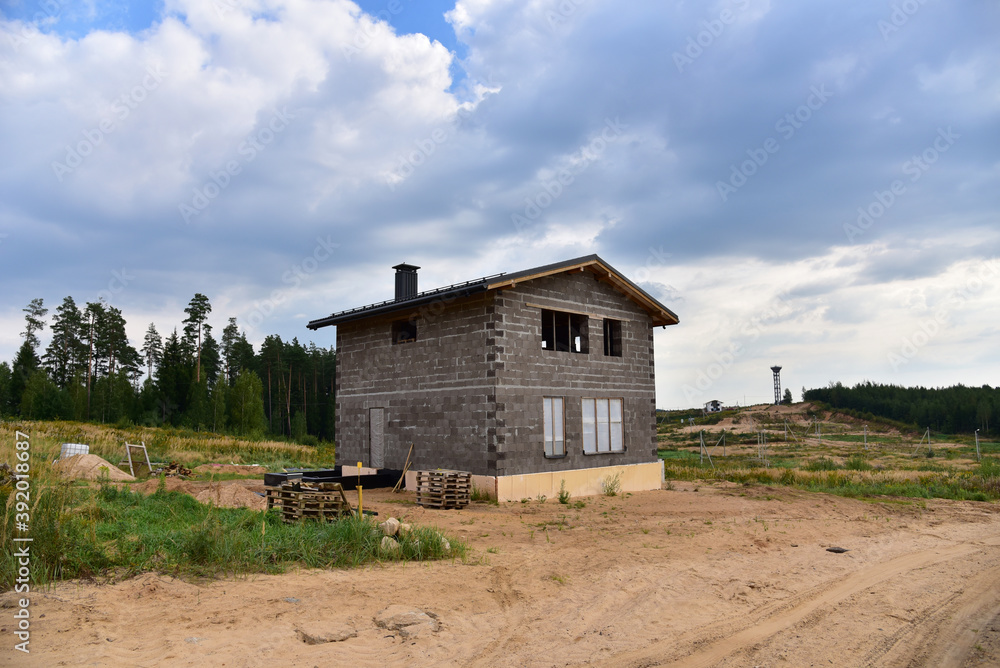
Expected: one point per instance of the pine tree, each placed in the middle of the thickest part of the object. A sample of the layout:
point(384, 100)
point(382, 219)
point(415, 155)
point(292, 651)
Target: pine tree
point(93, 316)
point(26, 362)
point(218, 400)
point(197, 310)
point(210, 358)
point(66, 353)
point(5, 408)
point(230, 334)
point(42, 400)
point(237, 352)
point(246, 405)
point(173, 380)
point(152, 349)
point(198, 413)
point(34, 321)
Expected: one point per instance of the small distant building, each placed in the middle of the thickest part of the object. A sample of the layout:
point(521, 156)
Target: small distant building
point(713, 406)
point(528, 380)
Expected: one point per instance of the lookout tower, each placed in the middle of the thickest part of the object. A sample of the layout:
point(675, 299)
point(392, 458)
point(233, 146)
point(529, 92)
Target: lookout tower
point(776, 370)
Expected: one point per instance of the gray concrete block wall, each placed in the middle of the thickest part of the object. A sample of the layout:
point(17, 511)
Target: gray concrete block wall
point(436, 391)
point(530, 373)
point(468, 392)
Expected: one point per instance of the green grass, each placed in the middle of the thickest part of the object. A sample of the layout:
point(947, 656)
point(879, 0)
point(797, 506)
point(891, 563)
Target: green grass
point(856, 479)
point(822, 464)
point(185, 446)
point(81, 532)
point(677, 454)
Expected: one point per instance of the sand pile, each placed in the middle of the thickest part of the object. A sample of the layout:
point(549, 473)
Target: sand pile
point(228, 494)
point(231, 496)
point(90, 467)
point(169, 485)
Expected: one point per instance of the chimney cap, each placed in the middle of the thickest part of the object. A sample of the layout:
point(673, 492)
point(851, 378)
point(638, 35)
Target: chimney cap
point(405, 267)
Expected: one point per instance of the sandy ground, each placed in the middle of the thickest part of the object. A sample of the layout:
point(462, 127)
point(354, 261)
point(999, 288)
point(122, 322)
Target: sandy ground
point(722, 575)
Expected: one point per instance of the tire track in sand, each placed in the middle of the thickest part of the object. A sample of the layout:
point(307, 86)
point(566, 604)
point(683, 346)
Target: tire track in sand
point(713, 645)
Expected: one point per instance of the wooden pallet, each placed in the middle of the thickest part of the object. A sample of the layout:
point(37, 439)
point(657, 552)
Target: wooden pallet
point(443, 489)
point(298, 500)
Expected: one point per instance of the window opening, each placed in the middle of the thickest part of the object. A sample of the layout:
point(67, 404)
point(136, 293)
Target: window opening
point(602, 426)
point(404, 331)
point(564, 332)
point(554, 416)
point(612, 337)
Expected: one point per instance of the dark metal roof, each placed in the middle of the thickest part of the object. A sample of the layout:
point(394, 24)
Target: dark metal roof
point(390, 305)
point(663, 315)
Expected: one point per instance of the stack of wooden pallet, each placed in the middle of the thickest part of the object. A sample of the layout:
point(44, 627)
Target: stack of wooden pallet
point(297, 500)
point(443, 489)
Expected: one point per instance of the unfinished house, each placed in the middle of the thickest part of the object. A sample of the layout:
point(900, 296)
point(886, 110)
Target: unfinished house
point(531, 381)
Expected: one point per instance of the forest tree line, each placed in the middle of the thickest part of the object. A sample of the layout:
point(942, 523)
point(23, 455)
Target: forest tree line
point(90, 371)
point(950, 410)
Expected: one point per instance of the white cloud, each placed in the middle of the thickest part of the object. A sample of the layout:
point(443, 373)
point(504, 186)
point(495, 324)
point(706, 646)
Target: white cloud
point(378, 151)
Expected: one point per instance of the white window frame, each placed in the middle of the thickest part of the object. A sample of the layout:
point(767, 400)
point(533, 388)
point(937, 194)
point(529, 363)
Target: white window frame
point(603, 428)
point(554, 426)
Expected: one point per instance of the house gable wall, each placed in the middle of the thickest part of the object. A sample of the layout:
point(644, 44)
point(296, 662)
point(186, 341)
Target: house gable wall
point(526, 373)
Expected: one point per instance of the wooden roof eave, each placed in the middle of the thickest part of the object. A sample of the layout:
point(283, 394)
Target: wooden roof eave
point(509, 282)
point(659, 315)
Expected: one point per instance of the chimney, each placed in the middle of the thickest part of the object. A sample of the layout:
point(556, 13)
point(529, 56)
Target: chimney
point(406, 281)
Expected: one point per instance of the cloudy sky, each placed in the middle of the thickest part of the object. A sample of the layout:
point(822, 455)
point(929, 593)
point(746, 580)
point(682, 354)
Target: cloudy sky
point(810, 184)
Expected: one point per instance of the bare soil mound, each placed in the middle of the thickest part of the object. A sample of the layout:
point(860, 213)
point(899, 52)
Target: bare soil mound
point(231, 468)
point(90, 467)
point(169, 485)
point(226, 494)
point(231, 496)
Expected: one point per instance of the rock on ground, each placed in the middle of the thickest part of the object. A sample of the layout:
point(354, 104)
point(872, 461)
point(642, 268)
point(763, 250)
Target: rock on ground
point(390, 527)
point(318, 633)
point(409, 622)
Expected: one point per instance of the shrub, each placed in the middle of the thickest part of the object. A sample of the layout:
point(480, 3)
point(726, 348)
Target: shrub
point(564, 495)
point(612, 485)
point(787, 477)
point(857, 463)
point(822, 464)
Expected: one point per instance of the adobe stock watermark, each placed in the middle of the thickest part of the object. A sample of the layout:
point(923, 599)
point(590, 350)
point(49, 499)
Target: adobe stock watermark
point(225, 7)
point(711, 30)
point(116, 285)
point(121, 108)
point(49, 12)
point(562, 12)
point(580, 161)
point(929, 328)
point(294, 276)
point(915, 168)
point(366, 32)
point(786, 126)
point(901, 14)
point(724, 360)
point(221, 178)
point(407, 164)
point(20, 503)
point(656, 259)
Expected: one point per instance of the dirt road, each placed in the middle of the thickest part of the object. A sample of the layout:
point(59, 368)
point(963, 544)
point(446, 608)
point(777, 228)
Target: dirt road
point(722, 575)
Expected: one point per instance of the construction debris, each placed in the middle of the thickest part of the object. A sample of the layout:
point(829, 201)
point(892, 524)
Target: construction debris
point(6, 475)
point(443, 489)
point(173, 469)
point(297, 500)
